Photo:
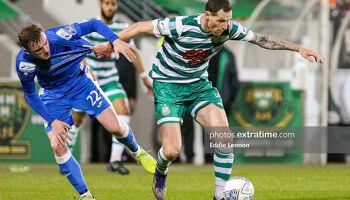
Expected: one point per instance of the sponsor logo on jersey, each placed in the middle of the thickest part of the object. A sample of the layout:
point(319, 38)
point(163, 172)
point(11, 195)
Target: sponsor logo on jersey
point(172, 25)
point(67, 32)
point(165, 110)
point(197, 56)
point(26, 67)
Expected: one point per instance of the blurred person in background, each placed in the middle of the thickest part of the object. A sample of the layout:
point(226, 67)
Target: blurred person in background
point(180, 79)
point(104, 67)
point(54, 58)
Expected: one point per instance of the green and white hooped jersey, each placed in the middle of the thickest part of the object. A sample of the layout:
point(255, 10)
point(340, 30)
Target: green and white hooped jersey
point(104, 66)
point(185, 53)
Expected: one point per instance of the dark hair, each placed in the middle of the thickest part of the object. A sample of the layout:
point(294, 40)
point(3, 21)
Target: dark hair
point(30, 34)
point(213, 6)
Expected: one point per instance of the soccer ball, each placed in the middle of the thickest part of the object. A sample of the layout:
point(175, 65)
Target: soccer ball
point(239, 188)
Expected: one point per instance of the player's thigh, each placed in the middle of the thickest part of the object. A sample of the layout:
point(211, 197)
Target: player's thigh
point(169, 106)
point(211, 115)
point(58, 107)
point(108, 119)
point(171, 139)
point(78, 117)
point(207, 109)
point(121, 106)
point(89, 98)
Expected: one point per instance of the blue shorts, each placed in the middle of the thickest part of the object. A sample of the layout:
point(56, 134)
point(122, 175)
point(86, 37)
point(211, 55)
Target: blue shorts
point(86, 95)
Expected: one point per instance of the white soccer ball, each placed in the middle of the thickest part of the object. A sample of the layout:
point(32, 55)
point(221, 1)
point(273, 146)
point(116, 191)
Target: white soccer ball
point(239, 188)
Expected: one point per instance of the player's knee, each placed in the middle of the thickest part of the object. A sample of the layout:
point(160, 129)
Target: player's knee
point(123, 110)
point(118, 130)
point(58, 149)
point(172, 152)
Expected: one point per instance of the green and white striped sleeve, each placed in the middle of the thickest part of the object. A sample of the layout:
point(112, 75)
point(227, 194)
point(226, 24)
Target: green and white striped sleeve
point(239, 32)
point(170, 27)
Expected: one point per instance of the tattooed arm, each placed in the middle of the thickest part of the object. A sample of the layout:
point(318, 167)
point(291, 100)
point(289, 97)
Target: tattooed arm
point(269, 42)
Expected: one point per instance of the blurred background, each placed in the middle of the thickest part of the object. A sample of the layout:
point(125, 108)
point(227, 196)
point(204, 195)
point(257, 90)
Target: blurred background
point(310, 94)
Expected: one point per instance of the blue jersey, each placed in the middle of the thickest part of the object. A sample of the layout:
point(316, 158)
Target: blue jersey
point(62, 71)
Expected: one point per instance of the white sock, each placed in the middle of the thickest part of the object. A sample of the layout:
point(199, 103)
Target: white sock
point(124, 118)
point(162, 162)
point(88, 193)
point(116, 151)
point(63, 159)
point(118, 148)
point(73, 133)
point(219, 192)
point(222, 168)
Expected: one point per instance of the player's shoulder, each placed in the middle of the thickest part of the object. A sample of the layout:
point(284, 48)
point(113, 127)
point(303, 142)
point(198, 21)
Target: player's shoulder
point(23, 56)
point(232, 23)
point(24, 64)
point(92, 19)
point(63, 32)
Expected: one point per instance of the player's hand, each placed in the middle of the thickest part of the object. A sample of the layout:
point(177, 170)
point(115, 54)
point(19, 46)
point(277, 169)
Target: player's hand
point(148, 85)
point(308, 54)
point(60, 130)
point(125, 49)
point(101, 49)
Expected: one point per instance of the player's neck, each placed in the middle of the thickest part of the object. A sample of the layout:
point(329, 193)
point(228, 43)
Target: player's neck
point(204, 23)
point(105, 20)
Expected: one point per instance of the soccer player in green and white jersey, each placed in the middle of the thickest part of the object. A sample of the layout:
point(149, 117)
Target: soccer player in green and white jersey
point(180, 79)
point(104, 68)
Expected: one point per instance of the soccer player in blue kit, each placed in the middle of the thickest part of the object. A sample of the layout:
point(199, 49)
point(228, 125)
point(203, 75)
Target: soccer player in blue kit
point(54, 57)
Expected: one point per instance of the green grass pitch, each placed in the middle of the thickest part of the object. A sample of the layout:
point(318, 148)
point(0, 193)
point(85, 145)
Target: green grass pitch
point(185, 182)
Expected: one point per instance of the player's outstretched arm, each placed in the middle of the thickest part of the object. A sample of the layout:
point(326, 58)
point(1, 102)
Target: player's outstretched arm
point(125, 35)
point(118, 46)
point(273, 43)
point(136, 29)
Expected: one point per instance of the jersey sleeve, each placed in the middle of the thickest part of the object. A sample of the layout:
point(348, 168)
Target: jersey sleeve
point(170, 27)
point(26, 72)
point(77, 30)
point(239, 32)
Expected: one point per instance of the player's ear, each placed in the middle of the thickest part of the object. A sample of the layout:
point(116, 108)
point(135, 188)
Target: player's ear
point(207, 13)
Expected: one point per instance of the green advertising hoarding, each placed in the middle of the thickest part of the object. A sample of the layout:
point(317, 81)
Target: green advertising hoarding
point(267, 104)
point(22, 135)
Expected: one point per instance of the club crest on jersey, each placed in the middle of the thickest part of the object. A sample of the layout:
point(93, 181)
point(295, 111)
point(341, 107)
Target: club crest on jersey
point(67, 32)
point(165, 110)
